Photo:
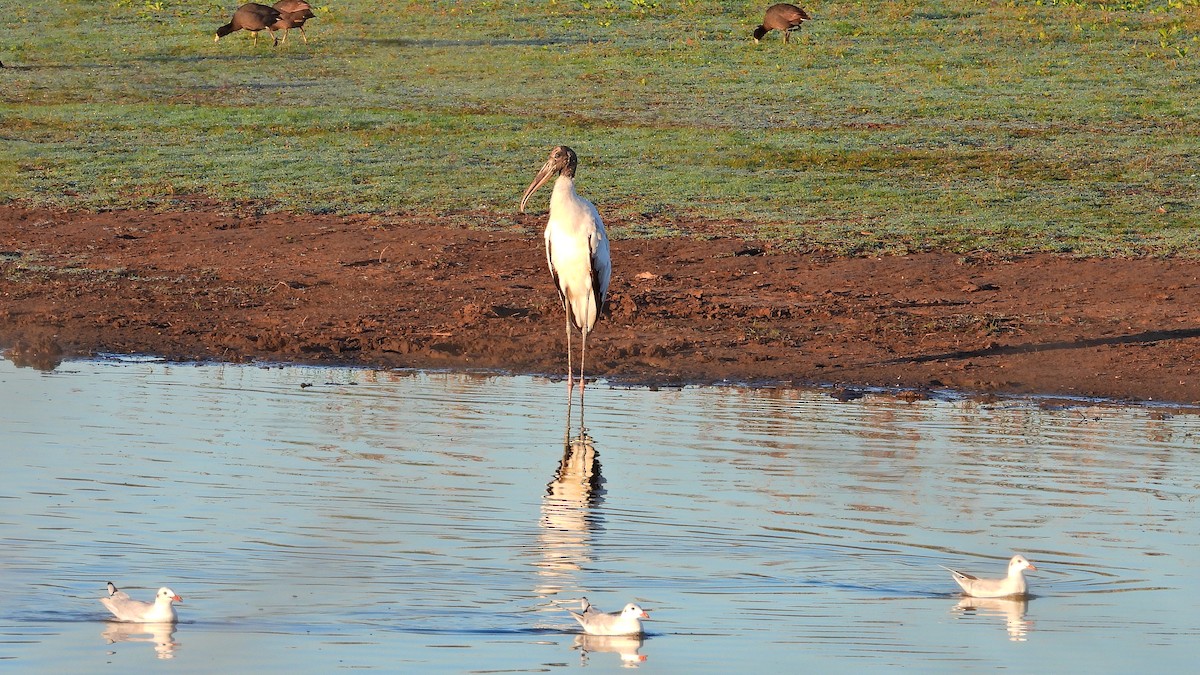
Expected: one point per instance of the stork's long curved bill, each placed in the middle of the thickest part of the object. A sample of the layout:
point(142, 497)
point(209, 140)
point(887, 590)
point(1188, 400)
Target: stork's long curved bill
point(548, 169)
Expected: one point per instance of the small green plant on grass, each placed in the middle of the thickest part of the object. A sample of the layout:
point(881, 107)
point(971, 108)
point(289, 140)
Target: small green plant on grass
point(143, 8)
point(1169, 38)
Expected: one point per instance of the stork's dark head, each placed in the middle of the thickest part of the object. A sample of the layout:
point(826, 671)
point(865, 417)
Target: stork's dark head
point(562, 162)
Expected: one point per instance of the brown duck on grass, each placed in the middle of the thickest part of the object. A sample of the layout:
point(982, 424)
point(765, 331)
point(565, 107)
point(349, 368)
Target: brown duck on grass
point(293, 14)
point(784, 17)
point(252, 17)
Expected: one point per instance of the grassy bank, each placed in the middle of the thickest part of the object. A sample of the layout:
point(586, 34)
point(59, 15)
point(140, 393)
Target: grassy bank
point(886, 127)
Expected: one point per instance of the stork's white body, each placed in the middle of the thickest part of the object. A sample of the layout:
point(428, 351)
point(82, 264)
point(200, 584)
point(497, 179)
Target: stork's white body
point(577, 253)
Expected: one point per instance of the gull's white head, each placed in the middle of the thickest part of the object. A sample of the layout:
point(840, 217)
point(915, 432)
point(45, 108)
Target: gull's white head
point(1019, 564)
point(632, 610)
point(167, 595)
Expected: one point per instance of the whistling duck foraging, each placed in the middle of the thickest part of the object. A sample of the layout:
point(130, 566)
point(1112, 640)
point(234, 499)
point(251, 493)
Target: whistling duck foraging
point(252, 17)
point(576, 251)
point(784, 17)
point(293, 14)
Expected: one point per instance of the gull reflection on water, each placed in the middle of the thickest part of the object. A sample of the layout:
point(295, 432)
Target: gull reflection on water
point(567, 519)
point(626, 646)
point(161, 634)
point(1012, 610)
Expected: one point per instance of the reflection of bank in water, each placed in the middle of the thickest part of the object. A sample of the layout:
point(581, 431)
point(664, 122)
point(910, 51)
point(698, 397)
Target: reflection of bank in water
point(39, 353)
point(1011, 610)
point(162, 635)
point(568, 515)
point(626, 646)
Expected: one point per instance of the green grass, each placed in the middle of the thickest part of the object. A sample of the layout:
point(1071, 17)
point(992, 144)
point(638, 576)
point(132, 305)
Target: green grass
point(886, 127)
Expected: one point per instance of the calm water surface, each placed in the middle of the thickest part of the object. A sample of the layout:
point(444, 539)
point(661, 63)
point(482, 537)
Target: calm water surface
point(417, 522)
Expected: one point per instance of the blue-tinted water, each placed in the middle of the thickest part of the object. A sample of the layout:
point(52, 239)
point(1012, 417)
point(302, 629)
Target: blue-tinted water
point(415, 522)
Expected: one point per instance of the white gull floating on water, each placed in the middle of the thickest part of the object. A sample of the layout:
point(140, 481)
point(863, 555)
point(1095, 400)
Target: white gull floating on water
point(1011, 585)
point(626, 622)
point(126, 608)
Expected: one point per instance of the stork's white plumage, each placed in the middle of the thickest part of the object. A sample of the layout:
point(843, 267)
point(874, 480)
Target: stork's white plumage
point(576, 251)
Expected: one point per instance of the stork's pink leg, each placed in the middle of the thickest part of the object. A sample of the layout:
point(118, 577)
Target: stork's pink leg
point(569, 361)
point(582, 381)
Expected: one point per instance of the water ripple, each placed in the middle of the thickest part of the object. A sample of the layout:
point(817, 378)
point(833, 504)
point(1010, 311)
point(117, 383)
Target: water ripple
point(390, 514)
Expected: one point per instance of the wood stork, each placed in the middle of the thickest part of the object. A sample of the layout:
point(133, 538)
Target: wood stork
point(783, 17)
point(292, 14)
point(576, 251)
point(254, 18)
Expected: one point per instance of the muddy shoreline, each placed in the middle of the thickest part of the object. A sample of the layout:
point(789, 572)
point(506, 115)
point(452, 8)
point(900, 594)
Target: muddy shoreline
point(211, 283)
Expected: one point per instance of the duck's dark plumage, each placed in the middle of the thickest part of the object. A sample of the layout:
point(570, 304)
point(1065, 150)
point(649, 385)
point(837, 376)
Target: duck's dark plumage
point(782, 17)
point(293, 14)
point(252, 17)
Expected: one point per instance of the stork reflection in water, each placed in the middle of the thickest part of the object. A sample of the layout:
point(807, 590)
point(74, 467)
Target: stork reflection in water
point(569, 516)
point(576, 252)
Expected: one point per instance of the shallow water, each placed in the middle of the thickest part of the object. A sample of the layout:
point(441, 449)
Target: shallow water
point(429, 522)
